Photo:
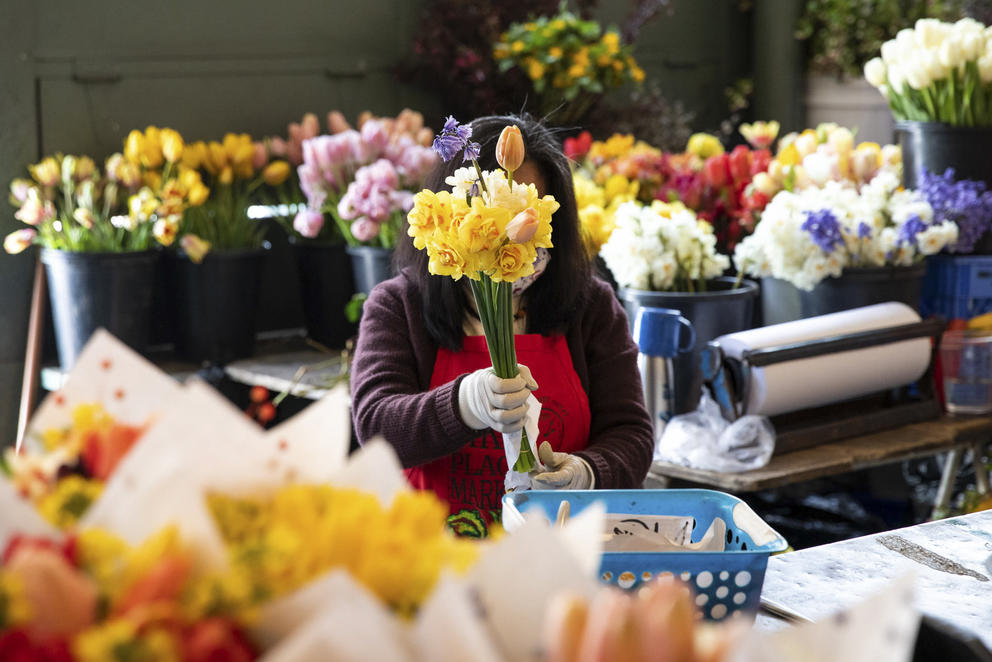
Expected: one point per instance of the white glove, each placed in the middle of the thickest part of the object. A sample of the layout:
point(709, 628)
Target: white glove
point(488, 401)
point(566, 471)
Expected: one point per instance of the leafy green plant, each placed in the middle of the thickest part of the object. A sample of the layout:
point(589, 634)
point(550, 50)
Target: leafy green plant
point(843, 35)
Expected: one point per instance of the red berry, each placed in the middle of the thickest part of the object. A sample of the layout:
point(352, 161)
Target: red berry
point(266, 412)
point(258, 394)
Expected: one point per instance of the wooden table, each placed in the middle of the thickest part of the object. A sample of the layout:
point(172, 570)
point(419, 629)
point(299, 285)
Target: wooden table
point(953, 435)
point(951, 560)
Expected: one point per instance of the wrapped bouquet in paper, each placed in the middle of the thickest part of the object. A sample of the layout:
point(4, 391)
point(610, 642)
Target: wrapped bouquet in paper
point(489, 229)
point(82, 432)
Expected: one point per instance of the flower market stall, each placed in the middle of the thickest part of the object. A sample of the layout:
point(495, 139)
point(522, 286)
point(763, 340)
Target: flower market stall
point(589, 356)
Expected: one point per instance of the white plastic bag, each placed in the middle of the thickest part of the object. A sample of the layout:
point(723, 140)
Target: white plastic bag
point(704, 440)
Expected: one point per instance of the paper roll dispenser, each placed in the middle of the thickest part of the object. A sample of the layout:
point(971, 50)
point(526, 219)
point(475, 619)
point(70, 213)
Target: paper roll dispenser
point(731, 380)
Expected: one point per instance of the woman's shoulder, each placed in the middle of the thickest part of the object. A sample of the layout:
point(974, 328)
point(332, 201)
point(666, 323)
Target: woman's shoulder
point(398, 288)
point(600, 298)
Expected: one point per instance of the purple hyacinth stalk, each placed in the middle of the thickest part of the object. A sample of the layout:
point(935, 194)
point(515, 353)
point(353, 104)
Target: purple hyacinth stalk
point(453, 139)
point(824, 229)
point(966, 203)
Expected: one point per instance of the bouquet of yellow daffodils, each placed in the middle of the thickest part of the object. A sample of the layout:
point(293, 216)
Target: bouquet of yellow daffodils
point(488, 229)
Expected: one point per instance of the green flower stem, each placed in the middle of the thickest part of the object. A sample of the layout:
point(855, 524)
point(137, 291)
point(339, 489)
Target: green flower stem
point(494, 302)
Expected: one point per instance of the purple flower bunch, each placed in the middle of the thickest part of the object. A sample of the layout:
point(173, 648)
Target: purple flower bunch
point(966, 203)
point(365, 179)
point(824, 229)
point(454, 137)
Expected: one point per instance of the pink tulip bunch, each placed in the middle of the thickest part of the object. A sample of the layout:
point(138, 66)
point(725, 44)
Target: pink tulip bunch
point(364, 178)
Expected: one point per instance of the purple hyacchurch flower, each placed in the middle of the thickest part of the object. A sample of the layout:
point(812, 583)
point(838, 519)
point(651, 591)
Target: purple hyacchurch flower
point(472, 151)
point(966, 203)
point(453, 139)
point(824, 229)
point(909, 230)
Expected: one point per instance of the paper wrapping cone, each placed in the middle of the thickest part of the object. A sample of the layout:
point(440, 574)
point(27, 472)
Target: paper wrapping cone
point(882, 627)
point(130, 388)
point(20, 518)
point(352, 626)
point(205, 444)
point(449, 628)
point(514, 583)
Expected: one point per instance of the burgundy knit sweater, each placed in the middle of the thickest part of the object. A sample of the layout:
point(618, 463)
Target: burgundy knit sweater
point(394, 361)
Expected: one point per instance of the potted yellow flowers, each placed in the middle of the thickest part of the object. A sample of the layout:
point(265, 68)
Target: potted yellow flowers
point(97, 231)
point(218, 269)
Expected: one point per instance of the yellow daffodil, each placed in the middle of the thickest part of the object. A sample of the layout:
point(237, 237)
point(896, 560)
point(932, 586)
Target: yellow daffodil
point(513, 261)
point(430, 211)
point(482, 227)
point(143, 204)
point(447, 257)
point(517, 46)
point(69, 501)
point(555, 52)
point(612, 42)
point(121, 639)
point(15, 609)
point(165, 230)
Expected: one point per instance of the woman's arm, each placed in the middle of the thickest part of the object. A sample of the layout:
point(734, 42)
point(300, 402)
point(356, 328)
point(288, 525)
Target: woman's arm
point(388, 396)
point(621, 439)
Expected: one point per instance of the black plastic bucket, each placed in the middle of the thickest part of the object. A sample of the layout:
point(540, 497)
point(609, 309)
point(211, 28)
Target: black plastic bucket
point(93, 290)
point(326, 286)
point(935, 146)
point(216, 303)
point(721, 309)
point(371, 265)
point(864, 286)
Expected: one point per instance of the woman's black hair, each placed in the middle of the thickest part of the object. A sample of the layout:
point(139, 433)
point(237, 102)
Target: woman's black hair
point(552, 300)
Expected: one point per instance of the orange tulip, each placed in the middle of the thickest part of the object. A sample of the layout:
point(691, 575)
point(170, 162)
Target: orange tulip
point(510, 148)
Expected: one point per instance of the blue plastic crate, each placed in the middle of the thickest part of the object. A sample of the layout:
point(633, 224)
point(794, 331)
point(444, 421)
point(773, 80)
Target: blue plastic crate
point(724, 582)
point(957, 286)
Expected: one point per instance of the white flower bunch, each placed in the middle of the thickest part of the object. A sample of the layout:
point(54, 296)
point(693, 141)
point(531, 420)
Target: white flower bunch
point(816, 233)
point(662, 247)
point(937, 72)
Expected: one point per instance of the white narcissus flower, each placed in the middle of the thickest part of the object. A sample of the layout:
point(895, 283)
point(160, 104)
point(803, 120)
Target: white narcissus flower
point(875, 71)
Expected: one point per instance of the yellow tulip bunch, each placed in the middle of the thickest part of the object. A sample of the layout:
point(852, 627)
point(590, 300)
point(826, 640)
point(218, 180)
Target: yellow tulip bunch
point(282, 542)
point(236, 168)
point(169, 186)
point(598, 204)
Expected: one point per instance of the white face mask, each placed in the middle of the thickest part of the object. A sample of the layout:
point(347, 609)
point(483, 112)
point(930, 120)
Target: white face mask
point(540, 264)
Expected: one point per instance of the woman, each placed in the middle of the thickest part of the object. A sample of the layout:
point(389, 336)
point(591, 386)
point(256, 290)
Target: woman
point(422, 376)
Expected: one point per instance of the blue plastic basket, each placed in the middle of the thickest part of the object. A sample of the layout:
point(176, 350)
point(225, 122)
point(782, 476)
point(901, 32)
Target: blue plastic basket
point(957, 286)
point(724, 582)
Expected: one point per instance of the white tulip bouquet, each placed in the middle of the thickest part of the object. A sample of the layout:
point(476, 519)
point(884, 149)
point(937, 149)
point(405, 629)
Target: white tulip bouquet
point(937, 72)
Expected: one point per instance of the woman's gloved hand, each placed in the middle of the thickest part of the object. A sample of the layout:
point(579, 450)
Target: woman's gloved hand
point(565, 471)
point(488, 401)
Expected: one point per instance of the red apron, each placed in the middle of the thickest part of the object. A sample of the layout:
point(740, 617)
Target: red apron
point(471, 478)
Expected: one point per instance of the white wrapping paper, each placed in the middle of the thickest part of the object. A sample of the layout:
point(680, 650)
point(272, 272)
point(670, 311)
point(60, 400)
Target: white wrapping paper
point(834, 377)
point(511, 445)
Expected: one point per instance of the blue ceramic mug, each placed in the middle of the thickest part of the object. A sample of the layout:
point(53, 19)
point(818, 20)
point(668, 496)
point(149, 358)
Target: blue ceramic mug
point(663, 332)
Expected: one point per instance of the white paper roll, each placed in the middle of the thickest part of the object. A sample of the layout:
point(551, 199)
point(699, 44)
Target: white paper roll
point(812, 382)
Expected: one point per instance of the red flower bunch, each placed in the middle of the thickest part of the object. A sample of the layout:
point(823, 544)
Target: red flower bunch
point(576, 148)
point(718, 190)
